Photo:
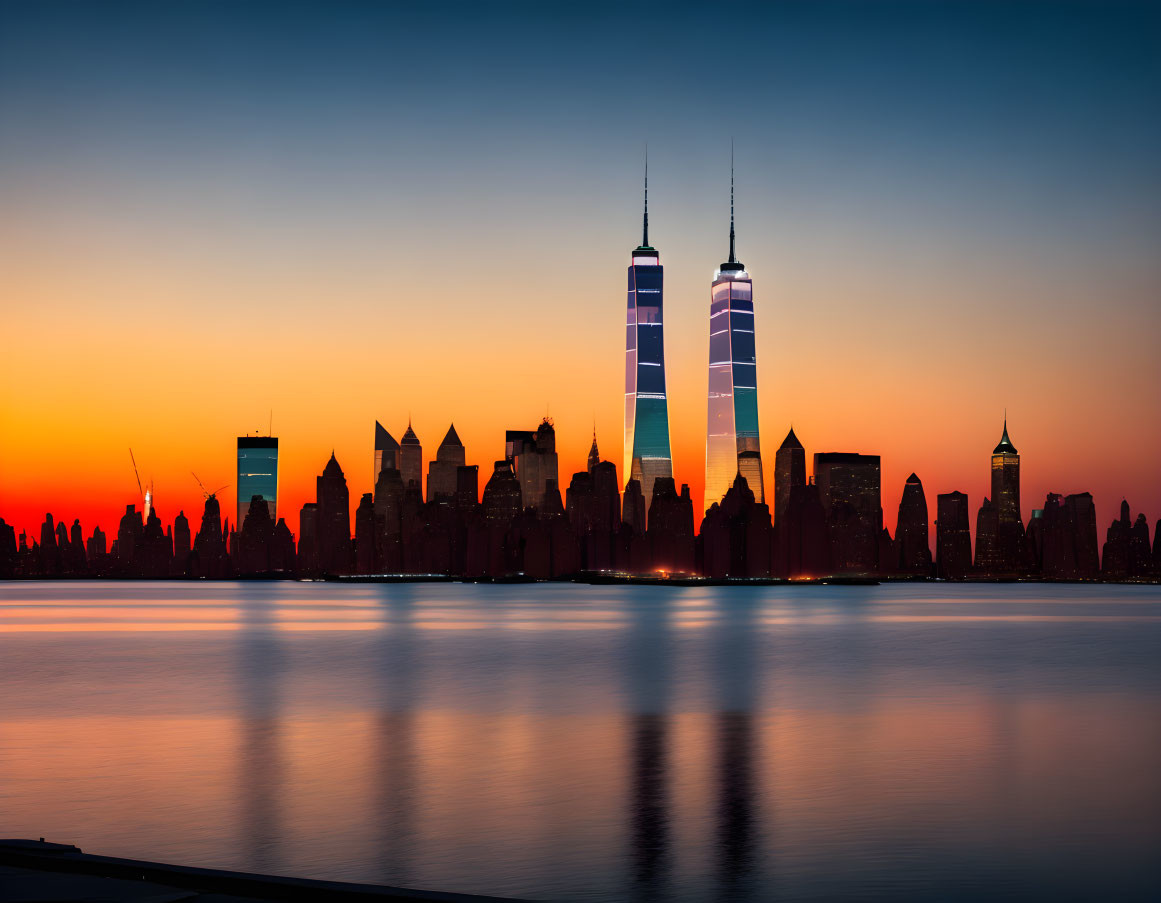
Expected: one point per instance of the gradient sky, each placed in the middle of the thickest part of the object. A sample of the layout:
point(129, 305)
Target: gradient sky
point(346, 211)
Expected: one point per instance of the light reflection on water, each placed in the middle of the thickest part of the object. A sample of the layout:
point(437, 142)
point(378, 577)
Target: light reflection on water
point(576, 742)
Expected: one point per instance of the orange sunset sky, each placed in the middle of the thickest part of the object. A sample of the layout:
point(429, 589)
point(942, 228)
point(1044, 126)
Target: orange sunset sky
point(221, 223)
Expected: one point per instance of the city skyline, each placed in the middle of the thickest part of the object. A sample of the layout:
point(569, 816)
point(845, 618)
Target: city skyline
point(523, 525)
point(971, 250)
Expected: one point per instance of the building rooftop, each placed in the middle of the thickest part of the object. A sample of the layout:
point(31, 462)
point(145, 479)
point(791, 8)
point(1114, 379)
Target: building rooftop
point(791, 441)
point(1005, 447)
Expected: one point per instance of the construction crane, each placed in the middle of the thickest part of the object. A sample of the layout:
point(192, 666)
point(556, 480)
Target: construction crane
point(207, 494)
point(146, 494)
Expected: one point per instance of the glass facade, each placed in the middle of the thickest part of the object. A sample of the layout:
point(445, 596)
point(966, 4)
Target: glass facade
point(257, 474)
point(647, 454)
point(732, 414)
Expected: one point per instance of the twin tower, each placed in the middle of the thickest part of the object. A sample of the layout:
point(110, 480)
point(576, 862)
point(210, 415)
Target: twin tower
point(732, 421)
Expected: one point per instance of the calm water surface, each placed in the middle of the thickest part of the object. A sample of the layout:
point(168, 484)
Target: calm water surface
point(597, 743)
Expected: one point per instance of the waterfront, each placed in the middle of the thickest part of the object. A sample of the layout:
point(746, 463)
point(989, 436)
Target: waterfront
point(596, 742)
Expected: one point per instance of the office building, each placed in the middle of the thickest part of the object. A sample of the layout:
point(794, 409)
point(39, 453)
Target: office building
point(732, 445)
point(647, 454)
point(257, 474)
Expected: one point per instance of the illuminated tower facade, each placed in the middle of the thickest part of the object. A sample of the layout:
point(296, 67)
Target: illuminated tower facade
point(647, 454)
point(1006, 497)
point(732, 414)
point(257, 474)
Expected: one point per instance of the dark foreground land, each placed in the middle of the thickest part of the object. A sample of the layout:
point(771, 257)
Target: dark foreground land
point(33, 870)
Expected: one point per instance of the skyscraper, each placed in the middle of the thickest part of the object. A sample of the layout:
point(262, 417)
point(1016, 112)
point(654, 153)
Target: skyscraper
point(386, 451)
point(334, 519)
point(789, 472)
point(848, 485)
point(911, 530)
point(647, 454)
point(257, 474)
point(441, 473)
point(732, 413)
point(534, 460)
point(594, 453)
point(953, 538)
point(1006, 496)
point(411, 459)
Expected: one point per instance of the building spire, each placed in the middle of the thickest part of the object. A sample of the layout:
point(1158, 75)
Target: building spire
point(645, 221)
point(733, 259)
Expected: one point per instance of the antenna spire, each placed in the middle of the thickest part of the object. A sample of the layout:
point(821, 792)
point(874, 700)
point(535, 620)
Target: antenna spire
point(733, 259)
point(645, 220)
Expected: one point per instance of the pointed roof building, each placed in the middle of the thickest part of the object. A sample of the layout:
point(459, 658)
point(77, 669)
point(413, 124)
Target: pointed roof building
point(386, 451)
point(1005, 447)
point(451, 440)
point(791, 441)
point(332, 469)
point(384, 441)
point(594, 454)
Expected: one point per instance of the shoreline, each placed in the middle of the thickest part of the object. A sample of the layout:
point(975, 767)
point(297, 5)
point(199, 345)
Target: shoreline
point(60, 870)
point(596, 579)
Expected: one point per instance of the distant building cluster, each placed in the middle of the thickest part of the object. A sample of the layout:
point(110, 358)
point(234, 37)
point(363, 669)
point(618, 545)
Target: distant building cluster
point(828, 526)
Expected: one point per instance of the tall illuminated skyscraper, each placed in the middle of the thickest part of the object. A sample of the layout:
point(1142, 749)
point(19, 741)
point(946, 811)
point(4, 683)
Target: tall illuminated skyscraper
point(732, 419)
point(647, 454)
point(1006, 496)
point(257, 474)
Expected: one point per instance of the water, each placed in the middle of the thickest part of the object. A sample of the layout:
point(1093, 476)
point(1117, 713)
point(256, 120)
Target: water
point(596, 743)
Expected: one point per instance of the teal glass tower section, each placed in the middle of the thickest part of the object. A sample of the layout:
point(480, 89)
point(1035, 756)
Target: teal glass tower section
point(647, 454)
point(257, 474)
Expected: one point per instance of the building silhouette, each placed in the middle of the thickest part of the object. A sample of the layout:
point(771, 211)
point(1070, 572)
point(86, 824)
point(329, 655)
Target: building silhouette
point(209, 557)
point(411, 459)
point(911, 531)
point(386, 451)
point(128, 544)
point(670, 528)
point(181, 543)
point(77, 563)
point(647, 454)
point(989, 560)
point(255, 540)
point(308, 547)
point(953, 539)
point(334, 519)
point(365, 562)
point(388, 510)
point(441, 473)
point(593, 505)
point(490, 551)
point(257, 474)
point(9, 554)
point(534, 461)
point(849, 489)
point(1126, 552)
point(732, 445)
point(736, 537)
point(789, 471)
point(1062, 538)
